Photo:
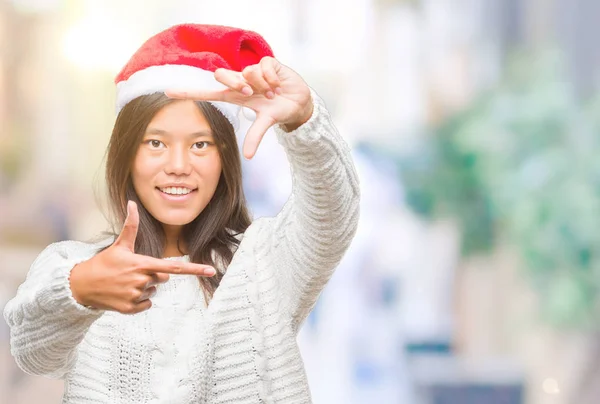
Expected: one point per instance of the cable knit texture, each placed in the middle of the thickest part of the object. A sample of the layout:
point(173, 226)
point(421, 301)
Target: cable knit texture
point(242, 347)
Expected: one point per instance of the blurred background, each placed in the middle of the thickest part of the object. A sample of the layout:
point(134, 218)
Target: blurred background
point(475, 273)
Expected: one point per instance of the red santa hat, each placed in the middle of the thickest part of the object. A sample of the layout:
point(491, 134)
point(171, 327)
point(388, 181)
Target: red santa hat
point(185, 57)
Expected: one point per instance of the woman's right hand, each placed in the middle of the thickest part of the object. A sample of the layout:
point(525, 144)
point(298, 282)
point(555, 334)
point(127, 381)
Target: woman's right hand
point(120, 280)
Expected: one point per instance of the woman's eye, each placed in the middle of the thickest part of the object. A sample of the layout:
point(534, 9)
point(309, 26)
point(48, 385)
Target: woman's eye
point(201, 145)
point(155, 143)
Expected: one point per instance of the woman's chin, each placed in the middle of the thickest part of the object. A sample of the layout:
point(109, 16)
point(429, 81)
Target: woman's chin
point(176, 220)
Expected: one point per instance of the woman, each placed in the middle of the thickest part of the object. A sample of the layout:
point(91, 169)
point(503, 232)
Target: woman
point(191, 302)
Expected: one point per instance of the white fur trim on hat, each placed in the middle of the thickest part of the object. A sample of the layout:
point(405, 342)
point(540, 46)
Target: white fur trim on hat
point(156, 79)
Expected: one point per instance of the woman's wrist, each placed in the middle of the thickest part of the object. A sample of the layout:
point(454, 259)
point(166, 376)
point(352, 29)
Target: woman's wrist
point(308, 111)
point(74, 280)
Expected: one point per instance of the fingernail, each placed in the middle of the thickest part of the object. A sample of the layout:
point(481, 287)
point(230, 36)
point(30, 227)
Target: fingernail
point(269, 95)
point(247, 91)
point(278, 91)
point(210, 271)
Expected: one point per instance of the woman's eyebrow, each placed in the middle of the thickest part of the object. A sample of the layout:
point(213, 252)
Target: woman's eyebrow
point(194, 135)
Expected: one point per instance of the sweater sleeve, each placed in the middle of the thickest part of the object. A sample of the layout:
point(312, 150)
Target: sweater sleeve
point(316, 225)
point(46, 323)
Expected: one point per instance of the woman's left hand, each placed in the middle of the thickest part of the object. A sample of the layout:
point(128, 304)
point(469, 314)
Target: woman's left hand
point(275, 92)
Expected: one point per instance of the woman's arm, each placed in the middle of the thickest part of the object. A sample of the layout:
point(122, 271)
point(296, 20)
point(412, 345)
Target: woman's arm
point(314, 229)
point(309, 237)
point(46, 323)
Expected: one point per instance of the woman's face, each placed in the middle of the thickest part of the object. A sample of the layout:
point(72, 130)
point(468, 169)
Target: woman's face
point(177, 166)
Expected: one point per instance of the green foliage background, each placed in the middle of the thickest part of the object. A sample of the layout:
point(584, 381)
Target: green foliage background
point(522, 165)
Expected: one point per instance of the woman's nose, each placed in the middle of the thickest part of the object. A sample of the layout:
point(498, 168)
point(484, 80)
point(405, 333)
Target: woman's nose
point(178, 163)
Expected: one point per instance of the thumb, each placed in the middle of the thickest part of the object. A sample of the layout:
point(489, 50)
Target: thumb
point(130, 227)
point(254, 136)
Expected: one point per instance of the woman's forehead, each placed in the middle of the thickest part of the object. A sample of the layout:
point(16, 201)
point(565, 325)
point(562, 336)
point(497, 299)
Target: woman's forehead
point(180, 118)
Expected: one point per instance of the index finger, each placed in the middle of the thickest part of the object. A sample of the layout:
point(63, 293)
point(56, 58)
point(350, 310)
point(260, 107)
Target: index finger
point(255, 134)
point(159, 266)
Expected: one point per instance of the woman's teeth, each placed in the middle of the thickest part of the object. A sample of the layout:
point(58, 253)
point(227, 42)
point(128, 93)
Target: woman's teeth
point(176, 191)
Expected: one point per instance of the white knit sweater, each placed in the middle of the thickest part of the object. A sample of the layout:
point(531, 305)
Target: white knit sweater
point(242, 348)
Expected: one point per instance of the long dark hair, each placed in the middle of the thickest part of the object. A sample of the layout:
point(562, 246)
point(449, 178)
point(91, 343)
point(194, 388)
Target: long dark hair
point(211, 237)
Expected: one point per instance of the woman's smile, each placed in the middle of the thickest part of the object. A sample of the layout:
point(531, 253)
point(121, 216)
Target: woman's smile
point(176, 194)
